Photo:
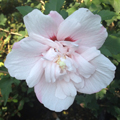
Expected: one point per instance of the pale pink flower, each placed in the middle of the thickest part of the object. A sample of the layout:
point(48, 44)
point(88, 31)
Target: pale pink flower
point(61, 57)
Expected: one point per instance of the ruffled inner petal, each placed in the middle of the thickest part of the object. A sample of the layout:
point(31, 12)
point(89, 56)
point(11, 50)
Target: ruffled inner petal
point(85, 69)
point(104, 74)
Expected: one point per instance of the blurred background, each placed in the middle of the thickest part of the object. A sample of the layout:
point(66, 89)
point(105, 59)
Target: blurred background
point(18, 102)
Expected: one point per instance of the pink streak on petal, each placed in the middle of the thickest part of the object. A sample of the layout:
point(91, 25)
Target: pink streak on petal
point(16, 45)
point(53, 38)
point(69, 39)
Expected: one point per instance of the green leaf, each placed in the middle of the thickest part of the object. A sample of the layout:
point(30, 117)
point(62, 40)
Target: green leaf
point(30, 90)
point(112, 43)
point(105, 51)
point(21, 104)
point(5, 86)
point(101, 94)
point(73, 8)
point(1, 119)
point(3, 19)
point(106, 14)
point(38, 6)
point(64, 14)
point(24, 10)
point(115, 4)
point(53, 5)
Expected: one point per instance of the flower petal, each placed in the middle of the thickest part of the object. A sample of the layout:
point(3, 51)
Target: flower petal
point(102, 77)
point(85, 26)
point(45, 93)
point(19, 63)
point(90, 53)
point(44, 25)
point(35, 74)
point(59, 93)
point(44, 40)
point(68, 88)
point(56, 17)
point(50, 54)
point(53, 72)
point(47, 72)
point(85, 69)
point(32, 47)
point(75, 78)
point(23, 57)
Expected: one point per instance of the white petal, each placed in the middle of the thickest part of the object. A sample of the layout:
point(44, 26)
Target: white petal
point(31, 46)
point(38, 23)
point(65, 27)
point(47, 72)
point(85, 68)
point(19, 63)
point(85, 26)
point(104, 74)
point(56, 17)
point(23, 57)
point(45, 93)
point(50, 54)
point(53, 72)
point(75, 78)
point(66, 78)
point(59, 91)
point(44, 40)
point(68, 88)
point(90, 53)
point(35, 74)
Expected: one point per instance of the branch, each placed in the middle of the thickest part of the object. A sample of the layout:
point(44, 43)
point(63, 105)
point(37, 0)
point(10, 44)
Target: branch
point(10, 32)
point(3, 72)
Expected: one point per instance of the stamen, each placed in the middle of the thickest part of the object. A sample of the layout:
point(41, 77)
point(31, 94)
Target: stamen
point(61, 63)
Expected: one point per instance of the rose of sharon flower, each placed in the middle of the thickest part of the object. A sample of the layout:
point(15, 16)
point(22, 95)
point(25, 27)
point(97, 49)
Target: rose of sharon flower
point(61, 57)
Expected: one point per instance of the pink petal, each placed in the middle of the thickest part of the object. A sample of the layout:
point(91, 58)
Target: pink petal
point(102, 77)
point(45, 93)
point(85, 26)
point(40, 24)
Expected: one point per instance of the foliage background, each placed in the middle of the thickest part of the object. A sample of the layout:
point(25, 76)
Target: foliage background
point(15, 95)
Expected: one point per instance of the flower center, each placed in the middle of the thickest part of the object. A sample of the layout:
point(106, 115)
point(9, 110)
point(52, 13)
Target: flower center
point(61, 63)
